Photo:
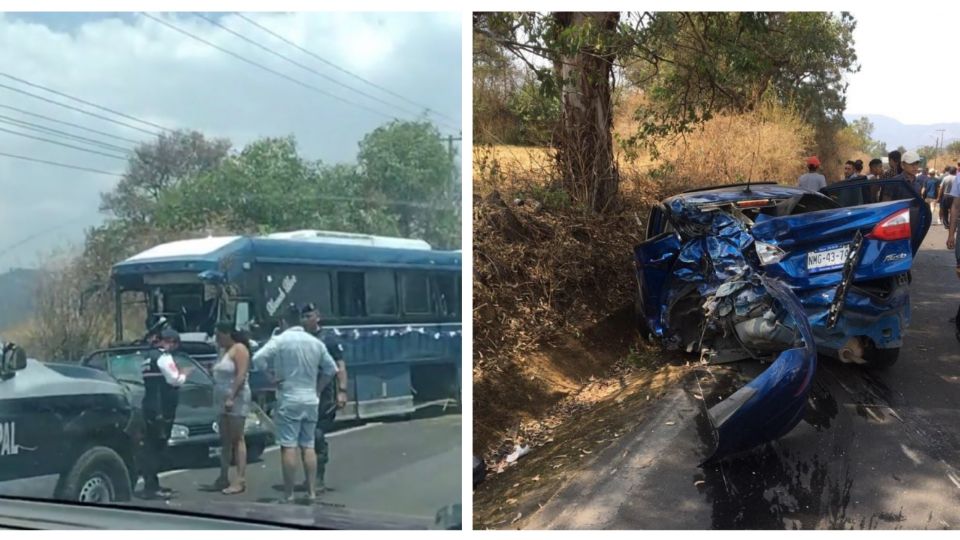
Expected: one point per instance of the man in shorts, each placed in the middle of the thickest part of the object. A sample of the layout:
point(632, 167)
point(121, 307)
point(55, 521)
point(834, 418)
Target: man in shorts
point(300, 364)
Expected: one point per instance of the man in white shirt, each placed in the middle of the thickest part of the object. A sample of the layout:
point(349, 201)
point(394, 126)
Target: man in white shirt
point(812, 180)
point(301, 364)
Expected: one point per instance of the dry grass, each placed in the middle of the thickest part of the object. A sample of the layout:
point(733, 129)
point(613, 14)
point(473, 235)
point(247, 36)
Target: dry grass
point(554, 285)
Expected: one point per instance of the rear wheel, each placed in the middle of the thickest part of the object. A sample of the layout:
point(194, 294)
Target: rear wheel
point(882, 358)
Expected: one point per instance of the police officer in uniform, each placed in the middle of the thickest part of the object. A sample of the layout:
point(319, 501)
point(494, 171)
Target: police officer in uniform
point(161, 382)
point(333, 396)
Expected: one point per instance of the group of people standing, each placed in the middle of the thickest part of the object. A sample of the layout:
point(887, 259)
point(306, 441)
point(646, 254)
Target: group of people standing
point(311, 377)
point(936, 188)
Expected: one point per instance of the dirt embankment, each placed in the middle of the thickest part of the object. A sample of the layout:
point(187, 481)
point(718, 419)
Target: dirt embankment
point(553, 310)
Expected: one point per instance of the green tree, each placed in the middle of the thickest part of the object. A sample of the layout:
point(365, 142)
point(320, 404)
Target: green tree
point(158, 165)
point(929, 152)
point(953, 148)
point(405, 166)
point(689, 65)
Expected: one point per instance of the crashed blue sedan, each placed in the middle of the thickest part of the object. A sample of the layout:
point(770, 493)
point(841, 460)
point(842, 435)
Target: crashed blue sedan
point(778, 273)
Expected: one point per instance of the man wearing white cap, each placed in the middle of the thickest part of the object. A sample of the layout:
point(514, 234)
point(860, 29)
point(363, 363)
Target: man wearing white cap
point(910, 165)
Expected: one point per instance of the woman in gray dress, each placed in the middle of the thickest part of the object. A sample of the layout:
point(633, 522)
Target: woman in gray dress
point(232, 397)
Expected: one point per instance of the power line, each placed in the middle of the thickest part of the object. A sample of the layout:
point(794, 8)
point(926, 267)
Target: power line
point(50, 131)
point(267, 69)
point(301, 66)
point(80, 148)
point(26, 239)
point(71, 107)
point(58, 164)
point(343, 70)
point(85, 102)
point(78, 126)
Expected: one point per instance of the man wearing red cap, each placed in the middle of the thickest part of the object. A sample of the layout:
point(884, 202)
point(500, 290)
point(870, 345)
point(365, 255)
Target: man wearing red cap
point(812, 180)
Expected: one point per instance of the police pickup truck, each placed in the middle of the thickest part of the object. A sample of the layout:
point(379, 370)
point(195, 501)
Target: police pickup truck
point(66, 432)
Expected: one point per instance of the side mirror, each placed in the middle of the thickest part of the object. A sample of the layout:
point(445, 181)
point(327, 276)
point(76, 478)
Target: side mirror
point(14, 359)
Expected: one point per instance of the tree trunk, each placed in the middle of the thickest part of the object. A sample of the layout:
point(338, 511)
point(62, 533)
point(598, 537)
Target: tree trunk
point(585, 137)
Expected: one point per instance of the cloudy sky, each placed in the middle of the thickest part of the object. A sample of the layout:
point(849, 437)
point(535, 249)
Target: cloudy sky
point(139, 67)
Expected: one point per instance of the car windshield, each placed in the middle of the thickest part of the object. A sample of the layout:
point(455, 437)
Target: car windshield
point(128, 367)
point(208, 178)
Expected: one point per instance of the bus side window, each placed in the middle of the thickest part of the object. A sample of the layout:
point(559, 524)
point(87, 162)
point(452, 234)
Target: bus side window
point(447, 297)
point(381, 289)
point(416, 293)
point(350, 294)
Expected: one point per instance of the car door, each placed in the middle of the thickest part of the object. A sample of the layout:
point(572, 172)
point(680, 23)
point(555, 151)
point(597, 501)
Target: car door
point(876, 191)
point(654, 259)
point(31, 433)
point(808, 250)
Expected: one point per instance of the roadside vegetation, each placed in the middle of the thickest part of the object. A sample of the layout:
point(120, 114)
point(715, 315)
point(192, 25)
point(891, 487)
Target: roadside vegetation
point(581, 123)
point(187, 185)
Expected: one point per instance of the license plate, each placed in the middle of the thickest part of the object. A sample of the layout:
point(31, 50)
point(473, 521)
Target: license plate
point(214, 451)
point(830, 259)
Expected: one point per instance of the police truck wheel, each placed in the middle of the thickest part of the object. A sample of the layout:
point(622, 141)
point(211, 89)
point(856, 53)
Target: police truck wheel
point(98, 476)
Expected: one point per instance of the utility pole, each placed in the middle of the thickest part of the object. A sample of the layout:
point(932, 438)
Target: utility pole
point(453, 168)
point(936, 157)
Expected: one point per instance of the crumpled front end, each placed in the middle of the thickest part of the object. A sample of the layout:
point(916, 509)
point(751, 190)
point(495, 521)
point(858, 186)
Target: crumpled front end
point(764, 317)
point(715, 302)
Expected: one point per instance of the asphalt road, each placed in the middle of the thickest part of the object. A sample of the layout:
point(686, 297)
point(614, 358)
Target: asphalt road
point(405, 468)
point(877, 450)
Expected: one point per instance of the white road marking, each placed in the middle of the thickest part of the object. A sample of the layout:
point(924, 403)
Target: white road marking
point(167, 474)
point(913, 456)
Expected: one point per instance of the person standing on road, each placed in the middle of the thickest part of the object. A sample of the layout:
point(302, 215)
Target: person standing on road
point(333, 396)
point(812, 180)
point(946, 197)
point(858, 170)
point(910, 165)
point(232, 397)
point(930, 191)
point(952, 228)
point(848, 170)
point(876, 169)
point(894, 167)
point(161, 382)
point(300, 364)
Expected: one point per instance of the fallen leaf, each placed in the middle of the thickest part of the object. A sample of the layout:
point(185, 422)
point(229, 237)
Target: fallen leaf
point(516, 485)
point(586, 451)
point(698, 396)
point(511, 501)
point(699, 483)
point(671, 423)
point(516, 519)
point(536, 478)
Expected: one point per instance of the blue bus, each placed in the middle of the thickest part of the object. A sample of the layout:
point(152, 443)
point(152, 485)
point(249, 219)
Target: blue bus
point(394, 303)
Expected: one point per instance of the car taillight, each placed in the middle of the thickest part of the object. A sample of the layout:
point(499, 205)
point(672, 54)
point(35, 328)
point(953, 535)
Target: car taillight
point(893, 227)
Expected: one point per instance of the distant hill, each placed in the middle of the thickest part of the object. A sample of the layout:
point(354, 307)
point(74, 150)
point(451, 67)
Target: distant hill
point(911, 136)
point(17, 288)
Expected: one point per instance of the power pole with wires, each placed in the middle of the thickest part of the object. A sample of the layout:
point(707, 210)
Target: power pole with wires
point(453, 168)
point(936, 156)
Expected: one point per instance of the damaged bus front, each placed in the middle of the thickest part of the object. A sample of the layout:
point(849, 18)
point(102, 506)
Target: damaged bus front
point(393, 303)
point(772, 272)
